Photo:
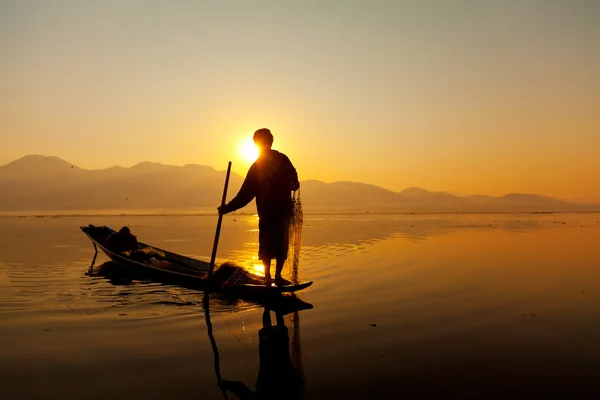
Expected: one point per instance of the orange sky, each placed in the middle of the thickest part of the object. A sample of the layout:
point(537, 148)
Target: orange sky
point(466, 97)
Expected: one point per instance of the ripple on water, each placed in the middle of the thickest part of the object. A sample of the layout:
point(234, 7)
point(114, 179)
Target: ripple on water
point(154, 296)
point(73, 288)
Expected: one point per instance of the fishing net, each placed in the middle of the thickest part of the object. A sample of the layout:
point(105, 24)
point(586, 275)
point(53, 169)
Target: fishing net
point(296, 348)
point(295, 238)
point(232, 274)
point(294, 250)
point(144, 253)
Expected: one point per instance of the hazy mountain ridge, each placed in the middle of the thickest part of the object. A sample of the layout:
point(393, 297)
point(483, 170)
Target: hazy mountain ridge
point(50, 183)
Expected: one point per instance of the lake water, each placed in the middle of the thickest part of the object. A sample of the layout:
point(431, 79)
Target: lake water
point(404, 306)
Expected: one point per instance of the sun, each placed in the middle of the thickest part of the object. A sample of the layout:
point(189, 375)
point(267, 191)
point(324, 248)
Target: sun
point(248, 150)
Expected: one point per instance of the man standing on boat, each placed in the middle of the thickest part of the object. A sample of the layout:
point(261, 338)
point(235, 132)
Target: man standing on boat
point(271, 179)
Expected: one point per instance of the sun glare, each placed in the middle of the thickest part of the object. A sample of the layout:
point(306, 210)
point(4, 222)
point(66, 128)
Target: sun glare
point(258, 269)
point(248, 150)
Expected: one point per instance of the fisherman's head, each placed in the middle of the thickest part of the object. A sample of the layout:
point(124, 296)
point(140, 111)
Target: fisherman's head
point(263, 139)
point(125, 231)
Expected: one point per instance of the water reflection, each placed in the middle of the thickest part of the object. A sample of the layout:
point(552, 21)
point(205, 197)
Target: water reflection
point(281, 372)
point(142, 288)
point(138, 287)
point(115, 274)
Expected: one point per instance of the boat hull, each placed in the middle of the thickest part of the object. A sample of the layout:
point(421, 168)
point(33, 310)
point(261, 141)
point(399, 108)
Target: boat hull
point(196, 279)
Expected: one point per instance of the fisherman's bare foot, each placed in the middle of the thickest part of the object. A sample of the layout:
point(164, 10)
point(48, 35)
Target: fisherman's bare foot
point(279, 281)
point(268, 280)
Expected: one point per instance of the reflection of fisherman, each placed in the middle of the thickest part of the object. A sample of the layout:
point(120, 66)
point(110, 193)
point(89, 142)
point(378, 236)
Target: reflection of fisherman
point(121, 241)
point(277, 376)
point(270, 179)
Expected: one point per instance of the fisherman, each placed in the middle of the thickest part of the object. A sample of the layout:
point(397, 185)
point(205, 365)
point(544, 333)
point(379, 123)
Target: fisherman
point(121, 241)
point(271, 179)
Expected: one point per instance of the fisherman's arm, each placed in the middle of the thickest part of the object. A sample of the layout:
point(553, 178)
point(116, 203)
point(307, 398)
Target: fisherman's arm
point(244, 196)
point(294, 182)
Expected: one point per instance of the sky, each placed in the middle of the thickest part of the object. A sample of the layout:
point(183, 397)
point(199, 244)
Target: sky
point(470, 97)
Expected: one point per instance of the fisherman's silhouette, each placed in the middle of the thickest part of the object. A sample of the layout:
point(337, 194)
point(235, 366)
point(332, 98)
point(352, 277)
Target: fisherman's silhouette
point(280, 374)
point(271, 179)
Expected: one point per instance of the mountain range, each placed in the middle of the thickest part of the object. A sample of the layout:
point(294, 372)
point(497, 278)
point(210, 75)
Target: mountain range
point(42, 183)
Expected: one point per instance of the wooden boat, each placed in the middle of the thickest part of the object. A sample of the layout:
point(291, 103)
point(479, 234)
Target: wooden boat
point(284, 303)
point(172, 268)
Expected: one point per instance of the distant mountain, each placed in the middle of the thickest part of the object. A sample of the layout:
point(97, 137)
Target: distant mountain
point(349, 196)
point(40, 183)
point(48, 183)
point(36, 167)
point(353, 196)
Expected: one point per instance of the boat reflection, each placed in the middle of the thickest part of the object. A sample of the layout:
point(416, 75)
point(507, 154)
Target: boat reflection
point(116, 274)
point(139, 282)
point(280, 373)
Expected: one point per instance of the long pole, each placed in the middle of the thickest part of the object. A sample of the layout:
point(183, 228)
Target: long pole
point(216, 243)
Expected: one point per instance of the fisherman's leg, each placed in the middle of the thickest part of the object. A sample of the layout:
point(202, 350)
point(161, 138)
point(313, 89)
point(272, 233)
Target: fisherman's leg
point(263, 251)
point(279, 318)
point(266, 319)
point(278, 268)
point(281, 249)
point(267, 265)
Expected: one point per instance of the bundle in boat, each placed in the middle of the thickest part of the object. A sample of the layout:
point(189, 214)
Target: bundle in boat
point(229, 274)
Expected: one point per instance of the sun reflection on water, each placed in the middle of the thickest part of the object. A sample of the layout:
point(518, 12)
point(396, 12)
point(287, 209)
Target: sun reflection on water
point(258, 269)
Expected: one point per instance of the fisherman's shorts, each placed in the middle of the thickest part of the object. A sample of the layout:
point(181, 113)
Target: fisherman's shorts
point(273, 238)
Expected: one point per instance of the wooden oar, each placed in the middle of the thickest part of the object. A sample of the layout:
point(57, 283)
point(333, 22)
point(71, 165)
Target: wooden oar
point(214, 251)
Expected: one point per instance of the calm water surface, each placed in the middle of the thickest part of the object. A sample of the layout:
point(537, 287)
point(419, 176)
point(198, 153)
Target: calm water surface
point(405, 306)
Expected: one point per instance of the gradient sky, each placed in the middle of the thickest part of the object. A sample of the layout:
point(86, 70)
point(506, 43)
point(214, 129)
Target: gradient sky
point(484, 97)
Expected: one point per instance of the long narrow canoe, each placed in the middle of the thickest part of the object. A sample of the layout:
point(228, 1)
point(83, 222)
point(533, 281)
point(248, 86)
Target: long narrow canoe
point(183, 271)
